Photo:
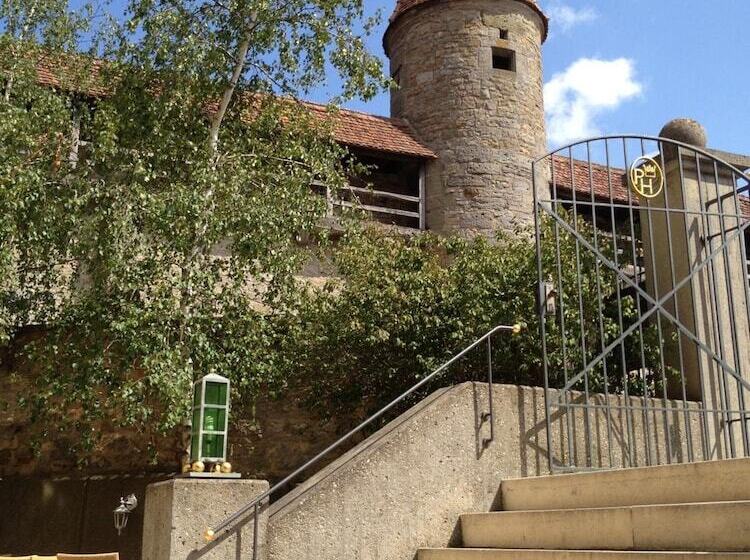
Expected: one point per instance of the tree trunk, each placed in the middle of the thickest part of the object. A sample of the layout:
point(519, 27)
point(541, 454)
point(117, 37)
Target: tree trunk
point(229, 92)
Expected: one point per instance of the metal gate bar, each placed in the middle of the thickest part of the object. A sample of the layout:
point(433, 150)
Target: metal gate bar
point(630, 306)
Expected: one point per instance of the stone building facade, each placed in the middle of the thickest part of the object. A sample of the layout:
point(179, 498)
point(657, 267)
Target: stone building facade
point(455, 155)
point(466, 122)
point(470, 85)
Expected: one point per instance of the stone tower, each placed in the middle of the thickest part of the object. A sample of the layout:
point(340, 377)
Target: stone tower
point(470, 84)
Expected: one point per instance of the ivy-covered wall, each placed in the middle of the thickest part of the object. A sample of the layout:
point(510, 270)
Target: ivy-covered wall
point(266, 440)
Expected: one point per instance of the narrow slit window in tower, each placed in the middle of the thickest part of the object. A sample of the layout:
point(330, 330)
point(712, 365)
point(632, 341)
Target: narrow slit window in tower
point(503, 59)
point(396, 76)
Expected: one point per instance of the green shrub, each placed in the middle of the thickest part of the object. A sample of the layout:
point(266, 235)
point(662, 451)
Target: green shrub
point(401, 307)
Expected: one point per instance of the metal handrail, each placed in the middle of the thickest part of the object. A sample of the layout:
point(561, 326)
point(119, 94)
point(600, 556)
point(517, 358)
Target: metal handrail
point(254, 505)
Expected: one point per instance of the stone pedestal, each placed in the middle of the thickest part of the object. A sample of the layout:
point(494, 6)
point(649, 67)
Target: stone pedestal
point(695, 217)
point(178, 512)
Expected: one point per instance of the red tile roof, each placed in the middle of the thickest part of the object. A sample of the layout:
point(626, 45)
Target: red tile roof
point(598, 182)
point(403, 6)
point(584, 184)
point(71, 72)
point(351, 128)
point(370, 132)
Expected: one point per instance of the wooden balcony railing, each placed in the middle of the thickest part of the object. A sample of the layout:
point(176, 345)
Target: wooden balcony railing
point(383, 206)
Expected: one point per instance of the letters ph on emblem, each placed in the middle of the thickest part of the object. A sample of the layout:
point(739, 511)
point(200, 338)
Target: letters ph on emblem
point(646, 177)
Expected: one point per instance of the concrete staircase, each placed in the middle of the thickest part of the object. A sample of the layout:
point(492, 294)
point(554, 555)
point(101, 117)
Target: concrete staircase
point(670, 512)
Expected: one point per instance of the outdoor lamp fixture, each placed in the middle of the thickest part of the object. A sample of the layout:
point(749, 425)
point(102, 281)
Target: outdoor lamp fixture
point(208, 439)
point(122, 512)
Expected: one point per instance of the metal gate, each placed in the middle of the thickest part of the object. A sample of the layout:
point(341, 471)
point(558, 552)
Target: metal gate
point(644, 303)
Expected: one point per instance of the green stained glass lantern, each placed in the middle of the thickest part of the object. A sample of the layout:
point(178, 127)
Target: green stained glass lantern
point(210, 419)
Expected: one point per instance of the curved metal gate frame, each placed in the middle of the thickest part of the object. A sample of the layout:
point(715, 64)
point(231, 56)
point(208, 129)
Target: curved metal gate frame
point(644, 304)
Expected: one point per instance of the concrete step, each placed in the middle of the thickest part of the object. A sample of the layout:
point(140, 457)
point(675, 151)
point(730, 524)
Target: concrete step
point(711, 481)
point(516, 554)
point(711, 526)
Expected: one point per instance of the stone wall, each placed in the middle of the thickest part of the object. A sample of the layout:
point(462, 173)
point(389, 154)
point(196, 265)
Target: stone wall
point(66, 506)
point(118, 450)
point(267, 439)
point(70, 515)
point(274, 437)
point(486, 124)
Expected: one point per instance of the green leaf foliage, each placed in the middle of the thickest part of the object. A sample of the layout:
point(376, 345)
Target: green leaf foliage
point(401, 307)
point(125, 187)
point(125, 184)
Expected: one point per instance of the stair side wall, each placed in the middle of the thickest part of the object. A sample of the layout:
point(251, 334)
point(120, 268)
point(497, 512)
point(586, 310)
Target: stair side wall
point(405, 487)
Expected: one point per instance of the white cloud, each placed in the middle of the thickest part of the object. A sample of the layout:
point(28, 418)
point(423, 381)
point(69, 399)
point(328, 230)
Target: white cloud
point(566, 17)
point(588, 87)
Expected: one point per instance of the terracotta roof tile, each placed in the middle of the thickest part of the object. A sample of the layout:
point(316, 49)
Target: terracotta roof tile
point(600, 184)
point(371, 132)
point(71, 72)
point(351, 128)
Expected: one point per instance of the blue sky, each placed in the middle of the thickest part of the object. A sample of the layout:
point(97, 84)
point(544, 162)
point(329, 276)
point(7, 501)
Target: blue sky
point(616, 66)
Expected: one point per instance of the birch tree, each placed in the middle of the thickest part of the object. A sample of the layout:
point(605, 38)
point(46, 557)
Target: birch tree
point(153, 201)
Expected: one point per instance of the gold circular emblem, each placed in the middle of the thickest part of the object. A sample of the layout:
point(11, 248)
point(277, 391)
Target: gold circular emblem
point(646, 177)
